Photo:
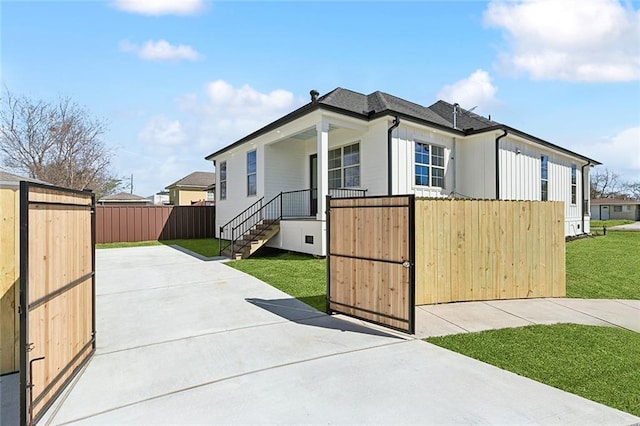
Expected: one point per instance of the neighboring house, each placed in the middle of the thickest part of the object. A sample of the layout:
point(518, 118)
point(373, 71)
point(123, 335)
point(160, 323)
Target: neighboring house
point(10, 180)
point(197, 186)
point(612, 208)
point(159, 199)
point(345, 143)
point(123, 199)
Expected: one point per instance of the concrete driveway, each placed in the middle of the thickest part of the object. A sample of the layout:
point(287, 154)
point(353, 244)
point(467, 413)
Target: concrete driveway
point(184, 341)
point(628, 227)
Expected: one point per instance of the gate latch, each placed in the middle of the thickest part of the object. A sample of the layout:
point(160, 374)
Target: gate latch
point(406, 264)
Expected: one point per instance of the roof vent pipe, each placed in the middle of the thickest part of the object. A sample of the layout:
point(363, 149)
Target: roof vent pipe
point(456, 110)
point(314, 96)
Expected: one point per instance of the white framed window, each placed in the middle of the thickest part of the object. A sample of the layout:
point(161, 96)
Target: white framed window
point(574, 181)
point(344, 167)
point(223, 180)
point(252, 175)
point(544, 178)
point(429, 165)
point(617, 209)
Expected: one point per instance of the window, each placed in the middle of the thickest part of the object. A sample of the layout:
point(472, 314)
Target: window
point(344, 167)
point(617, 209)
point(429, 167)
point(574, 188)
point(223, 180)
point(544, 178)
point(252, 176)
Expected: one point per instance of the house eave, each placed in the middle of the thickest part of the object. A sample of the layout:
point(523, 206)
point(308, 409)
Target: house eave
point(311, 107)
point(533, 139)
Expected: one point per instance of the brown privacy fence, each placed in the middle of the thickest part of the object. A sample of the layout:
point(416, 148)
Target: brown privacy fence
point(145, 223)
point(487, 250)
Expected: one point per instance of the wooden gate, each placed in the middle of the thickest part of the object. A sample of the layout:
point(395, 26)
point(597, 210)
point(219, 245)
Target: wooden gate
point(57, 292)
point(370, 259)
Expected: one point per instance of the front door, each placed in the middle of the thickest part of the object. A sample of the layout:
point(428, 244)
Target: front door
point(604, 212)
point(313, 179)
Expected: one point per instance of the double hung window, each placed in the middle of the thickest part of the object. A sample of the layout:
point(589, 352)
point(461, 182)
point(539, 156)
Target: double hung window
point(252, 176)
point(344, 167)
point(544, 178)
point(429, 165)
point(223, 180)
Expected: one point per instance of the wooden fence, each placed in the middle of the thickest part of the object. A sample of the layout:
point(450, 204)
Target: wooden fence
point(487, 250)
point(145, 223)
point(9, 279)
point(57, 292)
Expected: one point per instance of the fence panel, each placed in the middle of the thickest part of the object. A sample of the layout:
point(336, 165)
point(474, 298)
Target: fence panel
point(487, 250)
point(56, 292)
point(370, 259)
point(144, 223)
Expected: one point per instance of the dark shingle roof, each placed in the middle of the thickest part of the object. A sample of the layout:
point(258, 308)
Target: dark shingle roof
point(465, 120)
point(123, 196)
point(196, 179)
point(377, 103)
point(613, 201)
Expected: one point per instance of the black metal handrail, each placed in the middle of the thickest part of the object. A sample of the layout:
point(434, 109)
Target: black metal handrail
point(225, 235)
point(288, 204)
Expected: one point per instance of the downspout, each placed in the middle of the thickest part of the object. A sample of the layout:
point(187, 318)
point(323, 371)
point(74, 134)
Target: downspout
point(498, 163)
point(396, 123)
point(582, 193)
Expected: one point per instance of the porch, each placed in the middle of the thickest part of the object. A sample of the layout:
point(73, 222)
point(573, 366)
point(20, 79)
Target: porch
point(288, 221)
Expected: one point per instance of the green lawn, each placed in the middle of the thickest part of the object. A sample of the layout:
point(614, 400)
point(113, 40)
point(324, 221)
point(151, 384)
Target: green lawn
point(605, 267)
point(302, 276)
point(598, 363)
point(207, 247)
point(609, 223)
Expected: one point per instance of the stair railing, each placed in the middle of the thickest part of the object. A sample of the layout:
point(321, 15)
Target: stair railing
point(286, 204)
point(226, 230)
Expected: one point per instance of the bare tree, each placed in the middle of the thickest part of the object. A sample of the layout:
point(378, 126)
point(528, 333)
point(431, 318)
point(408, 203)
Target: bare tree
point(607, 184)
point(57, 142)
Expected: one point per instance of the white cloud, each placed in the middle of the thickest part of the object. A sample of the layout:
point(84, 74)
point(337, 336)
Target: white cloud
point(574, 40)
point(620, 153)
point(475, 90)
point(161, 50)
point(161, 132)
point(226, 113)
point(160, 7)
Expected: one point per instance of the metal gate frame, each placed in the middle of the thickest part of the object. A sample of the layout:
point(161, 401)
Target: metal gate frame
point(27, 416)
point(410, 263)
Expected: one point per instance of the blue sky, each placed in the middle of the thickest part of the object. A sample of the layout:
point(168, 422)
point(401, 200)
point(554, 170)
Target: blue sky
point(178, 79)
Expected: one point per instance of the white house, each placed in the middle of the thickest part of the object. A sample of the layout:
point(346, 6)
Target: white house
point(347, 144)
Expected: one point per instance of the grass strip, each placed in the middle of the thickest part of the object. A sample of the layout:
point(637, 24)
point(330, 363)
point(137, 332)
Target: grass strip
point(598, 363)
point(605, 267)
point(207, 247)
point(299, 275)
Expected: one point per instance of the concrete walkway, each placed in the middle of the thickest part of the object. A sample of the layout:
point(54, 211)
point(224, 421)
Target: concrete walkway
point(184, 341)
point(629, 227)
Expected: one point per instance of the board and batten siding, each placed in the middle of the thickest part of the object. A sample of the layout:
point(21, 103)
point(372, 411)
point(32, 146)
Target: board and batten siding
point(286, 169)
point(520, 179)
point(404, 141)
point(475, 165)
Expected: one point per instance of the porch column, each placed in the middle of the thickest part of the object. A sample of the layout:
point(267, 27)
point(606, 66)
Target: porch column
point(322, 132)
